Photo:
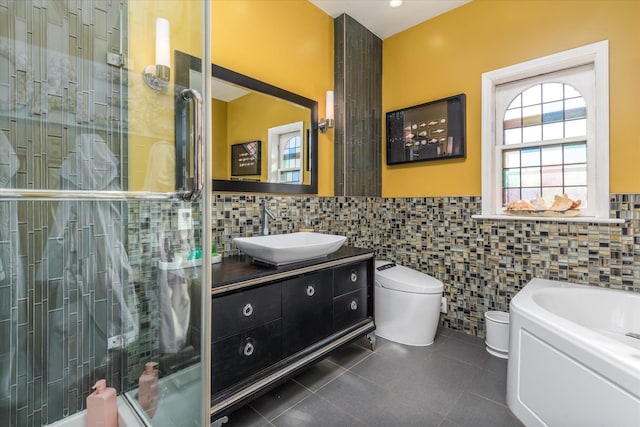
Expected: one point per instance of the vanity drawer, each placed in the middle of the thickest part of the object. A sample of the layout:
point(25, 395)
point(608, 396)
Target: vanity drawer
point(349, 278)
point(306, 310)
point(349, 308)
point(237, 357)
point(245, 310)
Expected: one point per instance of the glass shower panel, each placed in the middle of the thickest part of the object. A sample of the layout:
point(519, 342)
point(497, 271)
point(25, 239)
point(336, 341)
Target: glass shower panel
point(101, 261)
point(168, 272)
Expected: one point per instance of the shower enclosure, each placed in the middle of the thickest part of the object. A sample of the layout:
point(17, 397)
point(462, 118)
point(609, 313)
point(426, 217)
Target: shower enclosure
point(103, 242)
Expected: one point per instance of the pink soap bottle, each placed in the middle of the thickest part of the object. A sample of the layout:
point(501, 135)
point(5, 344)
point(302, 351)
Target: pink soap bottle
point(102, 407)
point(148, 388)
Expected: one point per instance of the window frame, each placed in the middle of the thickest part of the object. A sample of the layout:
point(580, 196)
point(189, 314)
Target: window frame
point(581, 79)
point(596, 54)
point(273, 163)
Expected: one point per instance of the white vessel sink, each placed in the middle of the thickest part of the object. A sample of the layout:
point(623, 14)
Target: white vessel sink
point(281, 249)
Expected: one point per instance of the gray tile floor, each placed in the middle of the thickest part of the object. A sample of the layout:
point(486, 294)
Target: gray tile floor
point(453, 382)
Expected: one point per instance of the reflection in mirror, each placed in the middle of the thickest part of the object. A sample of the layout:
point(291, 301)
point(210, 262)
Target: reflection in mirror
point(264, 137)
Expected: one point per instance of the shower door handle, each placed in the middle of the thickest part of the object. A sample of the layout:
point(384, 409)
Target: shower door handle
point(194, 193)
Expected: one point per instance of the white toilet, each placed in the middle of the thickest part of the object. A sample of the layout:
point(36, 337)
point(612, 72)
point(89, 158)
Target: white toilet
point(407, 304)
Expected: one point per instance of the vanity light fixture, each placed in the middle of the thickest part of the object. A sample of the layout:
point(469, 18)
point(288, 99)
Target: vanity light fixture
point(395, 3)
point(157, 76)
point(328, 121)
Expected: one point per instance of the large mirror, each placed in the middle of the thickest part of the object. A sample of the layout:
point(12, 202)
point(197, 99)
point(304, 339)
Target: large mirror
point(264, 137)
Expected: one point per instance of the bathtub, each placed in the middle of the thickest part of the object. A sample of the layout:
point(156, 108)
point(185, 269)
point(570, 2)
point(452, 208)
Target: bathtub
point(570, 362)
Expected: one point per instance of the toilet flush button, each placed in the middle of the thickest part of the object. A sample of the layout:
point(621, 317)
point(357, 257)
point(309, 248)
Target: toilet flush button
point(385, 267)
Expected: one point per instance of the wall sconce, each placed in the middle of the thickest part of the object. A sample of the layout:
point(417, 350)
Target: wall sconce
point(157, 76)
point(328, 121)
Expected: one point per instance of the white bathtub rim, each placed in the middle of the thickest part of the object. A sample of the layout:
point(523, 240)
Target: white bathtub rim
point(627, 302)
point(618, 361)
point(524, 303)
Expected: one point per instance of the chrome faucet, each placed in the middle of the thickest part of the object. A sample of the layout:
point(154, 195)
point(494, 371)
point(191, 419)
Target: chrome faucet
point(264, 215)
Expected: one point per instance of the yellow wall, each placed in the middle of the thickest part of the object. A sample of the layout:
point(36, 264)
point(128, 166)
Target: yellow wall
point(447, 55)
point(286, 43)
point(151, 113)
point(289, 43)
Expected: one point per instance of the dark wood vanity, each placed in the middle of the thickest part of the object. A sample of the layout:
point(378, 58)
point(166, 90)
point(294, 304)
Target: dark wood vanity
point(270, 323)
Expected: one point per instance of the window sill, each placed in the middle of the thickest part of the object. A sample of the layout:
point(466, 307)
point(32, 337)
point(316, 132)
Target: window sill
point(588, 219)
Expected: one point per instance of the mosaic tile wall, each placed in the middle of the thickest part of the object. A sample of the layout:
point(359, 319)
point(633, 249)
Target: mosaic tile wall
point(358, 109)
point(482, 263)
point(57, 94)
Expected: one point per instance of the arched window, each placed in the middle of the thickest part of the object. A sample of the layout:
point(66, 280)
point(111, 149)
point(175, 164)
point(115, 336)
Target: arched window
point(545, 132)
point(286, 153)
point(290, 168)
point(544, 139)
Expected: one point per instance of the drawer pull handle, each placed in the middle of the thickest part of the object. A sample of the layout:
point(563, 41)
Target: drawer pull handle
point(354, 305)
point(354, 276)
point(248, 349)
point(247, 310)
point(310, 291)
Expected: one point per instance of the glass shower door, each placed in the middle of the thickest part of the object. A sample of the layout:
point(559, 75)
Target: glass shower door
point(102, 254)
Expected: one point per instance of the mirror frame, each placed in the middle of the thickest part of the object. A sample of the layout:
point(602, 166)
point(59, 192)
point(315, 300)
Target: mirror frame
point(185, 62)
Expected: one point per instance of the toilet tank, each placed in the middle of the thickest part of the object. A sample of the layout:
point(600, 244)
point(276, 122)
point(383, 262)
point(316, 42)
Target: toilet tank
point(392, 276)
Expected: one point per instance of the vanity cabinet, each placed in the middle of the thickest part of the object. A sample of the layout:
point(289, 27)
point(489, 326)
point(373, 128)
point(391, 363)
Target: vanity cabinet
point(268, 324)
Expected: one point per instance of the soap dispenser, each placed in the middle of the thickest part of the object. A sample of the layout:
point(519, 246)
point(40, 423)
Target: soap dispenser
point(102, 407)
point(148, 388)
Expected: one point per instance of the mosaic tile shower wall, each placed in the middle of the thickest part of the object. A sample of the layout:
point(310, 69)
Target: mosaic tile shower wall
point(482, 263)
point(60, 119)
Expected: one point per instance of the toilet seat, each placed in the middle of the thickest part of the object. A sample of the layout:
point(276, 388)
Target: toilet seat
point(400, 278)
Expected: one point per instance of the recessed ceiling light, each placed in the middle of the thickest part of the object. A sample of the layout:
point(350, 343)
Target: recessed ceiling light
point(395, 3)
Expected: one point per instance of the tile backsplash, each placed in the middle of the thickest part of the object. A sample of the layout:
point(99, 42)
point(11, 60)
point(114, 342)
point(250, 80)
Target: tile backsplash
point(482, 263)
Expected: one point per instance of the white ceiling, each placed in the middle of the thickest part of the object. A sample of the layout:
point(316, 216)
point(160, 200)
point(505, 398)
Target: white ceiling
point(384, 21)
point(225, 91)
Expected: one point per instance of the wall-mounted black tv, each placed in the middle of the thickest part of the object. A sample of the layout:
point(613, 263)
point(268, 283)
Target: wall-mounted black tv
point(430, 131)
point(245, 158)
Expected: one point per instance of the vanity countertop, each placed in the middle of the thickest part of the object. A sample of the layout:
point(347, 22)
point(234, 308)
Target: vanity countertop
point(239, 268)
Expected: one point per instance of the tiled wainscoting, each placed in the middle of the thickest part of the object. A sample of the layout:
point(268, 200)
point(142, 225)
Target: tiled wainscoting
point(482, 263)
